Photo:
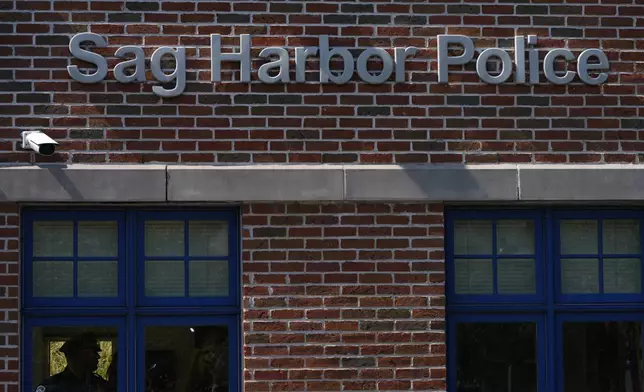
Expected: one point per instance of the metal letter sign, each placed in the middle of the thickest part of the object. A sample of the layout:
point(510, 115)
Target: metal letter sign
point(590, 60)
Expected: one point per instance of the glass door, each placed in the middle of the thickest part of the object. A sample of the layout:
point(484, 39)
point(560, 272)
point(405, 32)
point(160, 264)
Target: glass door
point(500, 353)
point(600, 353)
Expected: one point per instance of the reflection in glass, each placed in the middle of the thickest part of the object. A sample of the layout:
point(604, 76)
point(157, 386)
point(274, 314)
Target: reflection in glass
point(71, 358)
point(621, 236)
point(164, 238)
point(579, 237)
point(473, 237)
point(208, 278)
point(515, 237)
point(98, 278)
point(186, 359)
point(164, 278)
point(473, 276)
point(622, 276)
point(602, 356)
point(496, 357)
point(97, 239)
point(208, 238)
point(53, 239)
point(53, 279)
point(580, 276)
point(516, 276)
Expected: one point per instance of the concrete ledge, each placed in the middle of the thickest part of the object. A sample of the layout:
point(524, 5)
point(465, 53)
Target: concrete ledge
point(608, 182)
point(432, 182)
point(322, 183)
point(83, 183)
point(256, 183)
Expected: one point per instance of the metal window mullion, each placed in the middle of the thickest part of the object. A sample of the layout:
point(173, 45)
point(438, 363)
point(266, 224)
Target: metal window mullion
point(600, 256)
point(551, 263)
point(495, 290)
point(186, 258)
point(75, 260)
point(641, 257)
point(132, 277)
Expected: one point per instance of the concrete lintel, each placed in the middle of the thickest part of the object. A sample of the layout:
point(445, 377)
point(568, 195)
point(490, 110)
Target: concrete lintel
point(603, 182)
point(255, 183)
point(323, 183)
point(432, 182)
point(83, 183)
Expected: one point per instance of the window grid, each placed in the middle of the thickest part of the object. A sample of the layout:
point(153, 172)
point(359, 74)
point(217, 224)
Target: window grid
point(563, 298)
point(130, 309)
point(232, 299)
point(29, 219)
point(552, 308)
point(493, 216)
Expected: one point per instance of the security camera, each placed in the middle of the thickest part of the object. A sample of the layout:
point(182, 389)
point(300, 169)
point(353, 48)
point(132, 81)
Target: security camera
point(39, 142)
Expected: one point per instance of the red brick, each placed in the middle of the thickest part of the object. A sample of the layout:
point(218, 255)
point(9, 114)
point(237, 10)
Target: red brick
point(334, 256)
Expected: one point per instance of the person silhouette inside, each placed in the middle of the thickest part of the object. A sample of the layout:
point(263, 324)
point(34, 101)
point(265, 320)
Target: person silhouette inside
point(82, 354)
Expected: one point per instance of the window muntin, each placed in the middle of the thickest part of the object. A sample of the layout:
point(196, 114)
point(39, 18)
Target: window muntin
point(187, 259)
point(104, 246)
point(495, 258)
point(74, 258)
point(598, 257)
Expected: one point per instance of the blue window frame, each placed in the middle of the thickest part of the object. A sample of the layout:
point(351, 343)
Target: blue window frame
point(583, 291)
point(79, 322)
point(189, 257)
point(68, 223)
point(599, 227)
point(573, 327)
point(143, 281)
point(495, 254)
point(484, 320)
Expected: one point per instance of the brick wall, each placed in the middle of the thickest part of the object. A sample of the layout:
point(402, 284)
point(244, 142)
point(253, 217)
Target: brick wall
point(420, 121)
point(9, 294)
point(338, 296)
point(344, 297)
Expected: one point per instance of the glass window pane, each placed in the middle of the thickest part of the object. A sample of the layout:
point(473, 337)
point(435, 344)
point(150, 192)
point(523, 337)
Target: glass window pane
point(90, 351)
point(164, 238)
point(208, 238)
point(98, 278)
point(602, 356)
point(53, 239)
point(473, 237)
point(516, 276)
point(579, 276)
point(621, 236)
point(515, 237)
point(53, 278)
point(579, 237)
point(498, 357)
point(187, 358)
point(622, 276)
point(164, 278)
point(473, 276)
point(97, 239)
point(208, 278)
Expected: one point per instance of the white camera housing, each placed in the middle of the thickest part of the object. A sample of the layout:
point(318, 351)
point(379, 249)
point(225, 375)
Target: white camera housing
point(39, 142)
